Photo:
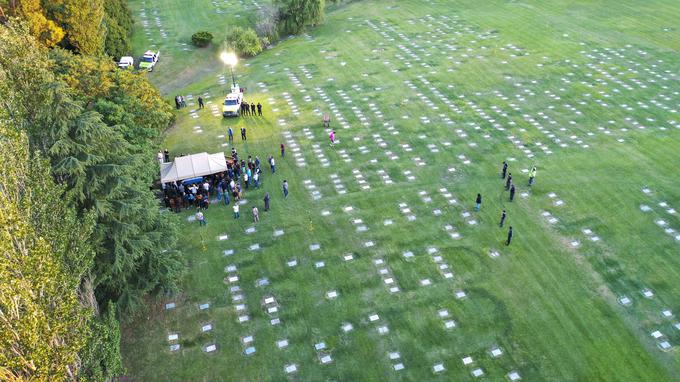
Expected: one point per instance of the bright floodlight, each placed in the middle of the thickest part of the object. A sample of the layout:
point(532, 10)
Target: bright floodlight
point(229, 58)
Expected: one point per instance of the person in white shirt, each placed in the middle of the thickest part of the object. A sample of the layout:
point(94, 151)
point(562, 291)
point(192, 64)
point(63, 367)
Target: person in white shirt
point(200, 218)
point(236, 211)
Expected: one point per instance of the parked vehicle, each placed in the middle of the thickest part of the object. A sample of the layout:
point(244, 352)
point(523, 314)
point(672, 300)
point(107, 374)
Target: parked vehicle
point(126, 62)
point(149, 60)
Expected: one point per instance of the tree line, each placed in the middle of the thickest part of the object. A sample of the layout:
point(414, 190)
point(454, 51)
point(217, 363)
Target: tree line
point(82, 238)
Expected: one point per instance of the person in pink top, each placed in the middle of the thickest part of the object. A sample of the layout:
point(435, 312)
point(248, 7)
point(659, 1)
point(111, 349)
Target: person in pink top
point(332, 137)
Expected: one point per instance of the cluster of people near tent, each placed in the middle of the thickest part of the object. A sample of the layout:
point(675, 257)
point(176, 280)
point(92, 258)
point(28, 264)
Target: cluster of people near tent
point(251, 108)
point(242, 174)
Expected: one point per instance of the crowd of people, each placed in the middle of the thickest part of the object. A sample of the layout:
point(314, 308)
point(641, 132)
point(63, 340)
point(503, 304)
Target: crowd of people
point(242, 174)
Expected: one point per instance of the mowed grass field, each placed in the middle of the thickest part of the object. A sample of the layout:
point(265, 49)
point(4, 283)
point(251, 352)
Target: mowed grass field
point(427, 99)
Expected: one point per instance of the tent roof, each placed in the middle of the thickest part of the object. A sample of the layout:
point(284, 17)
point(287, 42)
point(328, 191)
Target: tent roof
point(191, 166)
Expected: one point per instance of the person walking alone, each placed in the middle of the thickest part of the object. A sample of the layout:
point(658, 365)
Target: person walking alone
point(256, 215)
point(283, 150)
point(532, 176)
point(200, 103)
point(243, 134)
point(503, 215)
point(231, 134)
point(266, 202)
point(285, 189)
point(237, 214)
point(272, 164)
point(507, 242)
point(478, 202)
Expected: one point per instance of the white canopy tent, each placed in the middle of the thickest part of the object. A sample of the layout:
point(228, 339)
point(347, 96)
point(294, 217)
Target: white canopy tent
point(192, 166)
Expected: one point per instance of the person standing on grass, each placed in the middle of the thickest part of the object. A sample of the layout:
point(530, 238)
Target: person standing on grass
point(200, 218)
point(507, 242)
point(259, 109)
point(532, 176)
point(177, 105)
point(503, 215)
point(272, 164)
point(256, 215)
point(231, 135)
point(331, 136)
point(243, 134)
point(504, 170)
point(236, 211)
point(253, 112)
point(285, 189)
point(508, 182)
point(512, 192)
point(478, 202)
point(225, 191)
point(256, 178)
point(266, 201)
point(283, 150)
point(200, 103)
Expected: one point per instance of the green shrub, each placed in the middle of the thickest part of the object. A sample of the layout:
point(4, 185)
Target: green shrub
point(244, 41)
point(201, 39)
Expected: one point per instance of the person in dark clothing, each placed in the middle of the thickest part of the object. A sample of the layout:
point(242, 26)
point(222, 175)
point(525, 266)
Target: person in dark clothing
point(259, 109)
point(507, 242)
point(512, 192)
point(253, 112)
point(266, 201)
point(503, 215)
point(478, 202)
point(231, 134)
point(505, 169)
point(283, 150)
point(200, 103)
point(243, 134)
point(166, 155)
point(177, 105)
point(508, 182)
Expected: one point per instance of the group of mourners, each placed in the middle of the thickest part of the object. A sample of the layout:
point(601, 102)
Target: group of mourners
point(251, 108)
point(509, 186)
point(180, 102)
point(241, 174)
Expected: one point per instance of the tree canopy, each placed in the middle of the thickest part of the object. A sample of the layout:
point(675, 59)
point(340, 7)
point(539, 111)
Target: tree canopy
point(78, 135)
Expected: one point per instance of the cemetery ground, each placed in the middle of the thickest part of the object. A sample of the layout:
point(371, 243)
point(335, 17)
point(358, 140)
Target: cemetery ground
point(377, 267)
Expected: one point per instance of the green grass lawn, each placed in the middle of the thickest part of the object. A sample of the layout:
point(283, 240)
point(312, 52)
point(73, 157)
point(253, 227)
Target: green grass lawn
point(433, 96)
